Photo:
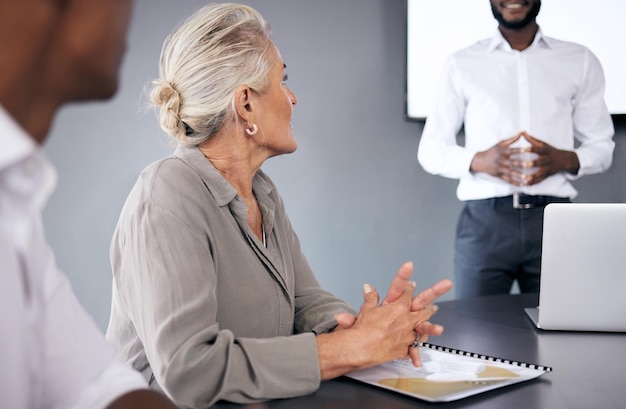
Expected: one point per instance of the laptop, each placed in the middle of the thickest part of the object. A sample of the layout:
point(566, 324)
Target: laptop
point(583, 268)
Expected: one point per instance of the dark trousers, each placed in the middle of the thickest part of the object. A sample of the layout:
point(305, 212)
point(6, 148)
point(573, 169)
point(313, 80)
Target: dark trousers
point(497, 244)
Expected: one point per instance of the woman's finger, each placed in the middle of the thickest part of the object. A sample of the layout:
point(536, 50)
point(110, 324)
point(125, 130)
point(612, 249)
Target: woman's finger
point(399, 282)
point(370, 298)
point(429, 295)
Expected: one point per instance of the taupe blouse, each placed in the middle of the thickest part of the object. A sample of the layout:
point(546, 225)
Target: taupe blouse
point(200, 306)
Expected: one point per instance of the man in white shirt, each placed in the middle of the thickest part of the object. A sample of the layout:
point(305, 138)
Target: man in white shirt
point(53, 355)
point(517, 92)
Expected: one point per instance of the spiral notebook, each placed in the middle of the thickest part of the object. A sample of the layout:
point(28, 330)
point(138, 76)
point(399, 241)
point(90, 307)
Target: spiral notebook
point(448, 374)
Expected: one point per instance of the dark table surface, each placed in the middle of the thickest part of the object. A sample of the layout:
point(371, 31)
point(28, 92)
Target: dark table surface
point(589, 368)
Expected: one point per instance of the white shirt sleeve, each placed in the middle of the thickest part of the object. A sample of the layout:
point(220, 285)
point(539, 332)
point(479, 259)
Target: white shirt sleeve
point(592, 124)
point(438, 152)
point(80, 369)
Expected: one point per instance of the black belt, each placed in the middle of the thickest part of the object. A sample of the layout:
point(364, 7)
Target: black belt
point(523, 201)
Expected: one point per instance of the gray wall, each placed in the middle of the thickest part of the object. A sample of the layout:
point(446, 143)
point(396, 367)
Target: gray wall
point(355, 193)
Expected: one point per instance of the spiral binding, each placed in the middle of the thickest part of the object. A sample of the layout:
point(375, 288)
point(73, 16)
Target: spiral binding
point(483, 357)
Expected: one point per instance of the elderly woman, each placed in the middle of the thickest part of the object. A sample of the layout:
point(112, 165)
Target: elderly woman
point(213, 298)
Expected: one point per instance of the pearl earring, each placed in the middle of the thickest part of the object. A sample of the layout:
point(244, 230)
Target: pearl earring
point(252, 131)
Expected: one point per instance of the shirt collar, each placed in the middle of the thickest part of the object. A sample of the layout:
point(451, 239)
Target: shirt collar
point(498, 41)
point(15, 142)
point(542, 41)
point(27, 177)
point(220, 188)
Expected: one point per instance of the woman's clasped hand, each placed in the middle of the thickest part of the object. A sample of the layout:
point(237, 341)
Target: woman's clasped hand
point(385, 331)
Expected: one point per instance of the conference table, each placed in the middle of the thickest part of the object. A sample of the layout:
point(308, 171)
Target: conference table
point(589, 368)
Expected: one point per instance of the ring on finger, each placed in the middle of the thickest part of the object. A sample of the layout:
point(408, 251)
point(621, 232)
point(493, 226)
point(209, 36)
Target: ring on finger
point(417, 341)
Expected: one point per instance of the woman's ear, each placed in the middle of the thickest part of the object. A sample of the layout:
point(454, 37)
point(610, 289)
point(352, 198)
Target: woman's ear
point(244, 104)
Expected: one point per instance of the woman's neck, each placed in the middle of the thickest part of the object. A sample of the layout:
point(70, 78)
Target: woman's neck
point(234, 160)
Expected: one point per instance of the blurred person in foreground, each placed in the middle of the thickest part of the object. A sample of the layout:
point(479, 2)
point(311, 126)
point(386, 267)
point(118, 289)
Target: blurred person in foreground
point(53, 354)
point(213, 298)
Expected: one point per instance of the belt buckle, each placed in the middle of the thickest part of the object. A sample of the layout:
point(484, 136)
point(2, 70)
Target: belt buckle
point(517, 204)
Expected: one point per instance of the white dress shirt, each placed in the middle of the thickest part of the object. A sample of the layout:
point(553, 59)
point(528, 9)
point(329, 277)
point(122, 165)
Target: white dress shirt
point(53, 354)
point(554, 90)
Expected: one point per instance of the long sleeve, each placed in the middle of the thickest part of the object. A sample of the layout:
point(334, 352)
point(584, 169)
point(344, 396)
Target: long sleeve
point(438, 152)
point(592, 123)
